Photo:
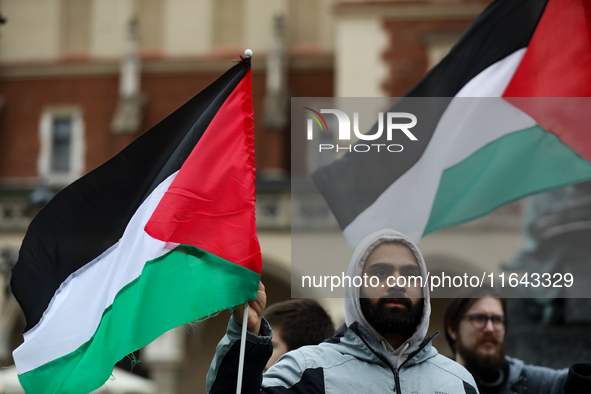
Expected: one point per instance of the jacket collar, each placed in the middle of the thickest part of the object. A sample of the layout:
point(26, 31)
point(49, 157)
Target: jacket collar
point(363, 345)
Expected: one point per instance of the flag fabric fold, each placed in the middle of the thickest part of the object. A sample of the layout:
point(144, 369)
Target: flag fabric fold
point(474, 155)
point(161, 235)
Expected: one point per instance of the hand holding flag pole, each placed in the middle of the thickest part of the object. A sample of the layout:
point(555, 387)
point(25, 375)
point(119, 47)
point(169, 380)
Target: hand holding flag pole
point(250, 318)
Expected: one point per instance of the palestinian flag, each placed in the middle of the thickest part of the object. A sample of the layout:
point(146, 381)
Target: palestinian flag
point(160, 235)
point(531, 60)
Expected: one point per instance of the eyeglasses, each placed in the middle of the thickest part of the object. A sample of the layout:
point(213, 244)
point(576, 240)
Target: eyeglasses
point(480, 320)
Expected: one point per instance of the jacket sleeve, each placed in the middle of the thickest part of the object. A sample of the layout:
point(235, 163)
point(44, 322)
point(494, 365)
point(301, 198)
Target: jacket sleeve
point(544, 380)
point(578, 380)
point(222, 376)
point(288, 376)
point(291, 375)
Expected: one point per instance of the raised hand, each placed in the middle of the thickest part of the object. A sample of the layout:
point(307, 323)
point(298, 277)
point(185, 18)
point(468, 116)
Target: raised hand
point(255, 311)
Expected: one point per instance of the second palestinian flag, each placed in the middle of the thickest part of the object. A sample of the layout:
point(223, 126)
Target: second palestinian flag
point(474, 155)
point(162, 234)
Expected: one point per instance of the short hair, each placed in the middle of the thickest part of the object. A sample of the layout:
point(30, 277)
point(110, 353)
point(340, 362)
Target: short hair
point(301, 322)
point(460, 305)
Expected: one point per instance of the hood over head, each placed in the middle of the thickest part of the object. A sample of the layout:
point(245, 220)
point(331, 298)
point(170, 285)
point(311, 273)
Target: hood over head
point(353, 309)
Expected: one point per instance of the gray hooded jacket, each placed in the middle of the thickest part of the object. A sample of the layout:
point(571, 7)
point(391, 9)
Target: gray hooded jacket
point(356, 360)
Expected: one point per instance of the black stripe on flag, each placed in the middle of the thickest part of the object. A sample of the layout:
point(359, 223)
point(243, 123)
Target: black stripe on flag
point(350, 185)
point(357, 180)
point(90, 215)
point(504, 27)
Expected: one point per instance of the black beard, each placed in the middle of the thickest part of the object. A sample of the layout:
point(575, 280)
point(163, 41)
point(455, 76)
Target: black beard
point(479, 364)
point(393, 321)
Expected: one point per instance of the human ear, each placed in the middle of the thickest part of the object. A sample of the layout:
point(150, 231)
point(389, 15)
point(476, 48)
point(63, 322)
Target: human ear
point(452, 334)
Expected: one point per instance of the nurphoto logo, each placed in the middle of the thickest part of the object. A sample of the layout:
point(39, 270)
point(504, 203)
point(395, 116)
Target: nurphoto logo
point(344, 130)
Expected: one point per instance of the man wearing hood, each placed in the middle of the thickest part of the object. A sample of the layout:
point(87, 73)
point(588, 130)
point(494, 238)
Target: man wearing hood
point(382, 348)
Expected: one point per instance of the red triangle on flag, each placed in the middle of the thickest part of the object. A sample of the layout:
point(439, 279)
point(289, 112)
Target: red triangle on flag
point(211, 202)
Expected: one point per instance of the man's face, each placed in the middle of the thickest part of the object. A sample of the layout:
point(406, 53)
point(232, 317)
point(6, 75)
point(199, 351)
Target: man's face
point(388, 308)
point(481, 349)
point(279, 347)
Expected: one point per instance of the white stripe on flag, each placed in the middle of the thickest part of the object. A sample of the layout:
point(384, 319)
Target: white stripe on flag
point(456, 137)
point(75, 311)
point(493, 81)
point(423, 178)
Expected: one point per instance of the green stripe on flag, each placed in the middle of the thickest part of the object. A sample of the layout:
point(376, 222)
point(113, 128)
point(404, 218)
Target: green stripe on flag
point(185, 284)
point(514, 166)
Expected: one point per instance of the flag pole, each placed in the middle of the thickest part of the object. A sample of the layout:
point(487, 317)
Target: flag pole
point(247, 54)
point(242, 349)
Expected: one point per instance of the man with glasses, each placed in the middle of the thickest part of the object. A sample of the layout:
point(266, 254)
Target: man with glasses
point(475, 325)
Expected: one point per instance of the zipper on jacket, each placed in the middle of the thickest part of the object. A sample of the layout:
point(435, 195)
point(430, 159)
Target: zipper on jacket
point(397, 383)
point(425, 342)
point(394, 370)
point(396, 375)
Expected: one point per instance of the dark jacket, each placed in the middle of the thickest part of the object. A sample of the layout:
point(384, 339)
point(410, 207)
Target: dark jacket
point(533, 379)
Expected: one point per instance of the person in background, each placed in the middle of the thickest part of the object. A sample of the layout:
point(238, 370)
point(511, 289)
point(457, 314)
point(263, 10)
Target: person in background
point(296, 323)
point(476, 323)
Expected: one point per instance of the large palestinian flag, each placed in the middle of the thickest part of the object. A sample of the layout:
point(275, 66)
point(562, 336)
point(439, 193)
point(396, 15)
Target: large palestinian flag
point(531, 61)
point(160, 235)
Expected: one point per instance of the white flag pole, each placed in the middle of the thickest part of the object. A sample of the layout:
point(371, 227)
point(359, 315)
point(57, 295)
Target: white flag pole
point(242, 349)
point(247, 54)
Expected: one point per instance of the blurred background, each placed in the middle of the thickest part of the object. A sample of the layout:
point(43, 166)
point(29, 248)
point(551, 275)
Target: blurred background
point(80, 79)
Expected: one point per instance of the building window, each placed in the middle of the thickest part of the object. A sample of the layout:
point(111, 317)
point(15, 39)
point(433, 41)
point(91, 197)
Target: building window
point(303, 20)
point(61, 158)
point(228, 24)
point(150, 15)
point(76, 18)
point(61, 144)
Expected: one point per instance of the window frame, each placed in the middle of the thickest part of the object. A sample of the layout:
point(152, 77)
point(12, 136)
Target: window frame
point(77, 151)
